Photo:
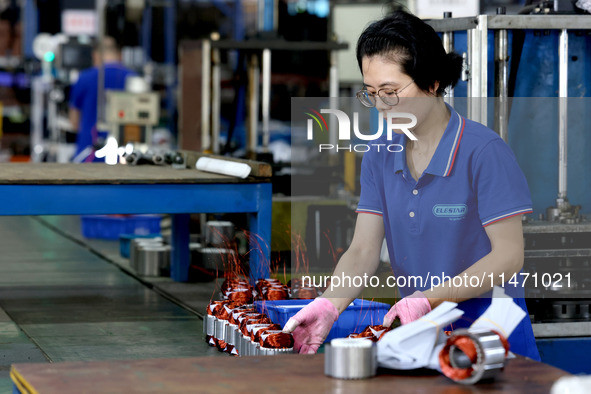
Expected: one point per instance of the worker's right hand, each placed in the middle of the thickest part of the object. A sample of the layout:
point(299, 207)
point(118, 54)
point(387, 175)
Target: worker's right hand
point(311, 325)
point(408, 309)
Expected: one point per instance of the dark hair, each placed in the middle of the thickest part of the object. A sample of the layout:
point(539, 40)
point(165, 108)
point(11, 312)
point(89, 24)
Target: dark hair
point(109, 45)
point(410, 42)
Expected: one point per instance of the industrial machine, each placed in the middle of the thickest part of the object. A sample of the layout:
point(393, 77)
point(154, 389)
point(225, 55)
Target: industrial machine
point(61, 59)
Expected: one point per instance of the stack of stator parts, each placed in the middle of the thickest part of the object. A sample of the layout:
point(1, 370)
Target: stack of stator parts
point(233, 325)
point(557, 266)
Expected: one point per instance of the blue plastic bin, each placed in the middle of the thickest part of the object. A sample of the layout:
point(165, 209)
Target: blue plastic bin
point(354, 319)
point(112, 226)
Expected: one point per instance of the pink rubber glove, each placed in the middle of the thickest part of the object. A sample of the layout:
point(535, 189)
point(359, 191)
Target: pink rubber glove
point(311, 325)
point(408, 309)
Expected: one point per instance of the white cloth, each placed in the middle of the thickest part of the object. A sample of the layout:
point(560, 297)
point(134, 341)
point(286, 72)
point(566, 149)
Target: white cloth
point(418, 344)
point(503, 315)
point(410, 346)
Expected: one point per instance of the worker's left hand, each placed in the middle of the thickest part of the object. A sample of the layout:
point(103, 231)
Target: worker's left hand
point(408, 309)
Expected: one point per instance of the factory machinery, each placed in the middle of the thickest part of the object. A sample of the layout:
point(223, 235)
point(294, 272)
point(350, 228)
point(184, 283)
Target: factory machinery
point(556, 274)
point(127, 116)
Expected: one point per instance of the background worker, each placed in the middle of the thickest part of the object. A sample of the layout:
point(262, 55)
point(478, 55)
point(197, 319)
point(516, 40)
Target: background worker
point(83, 96)
point(454, 162)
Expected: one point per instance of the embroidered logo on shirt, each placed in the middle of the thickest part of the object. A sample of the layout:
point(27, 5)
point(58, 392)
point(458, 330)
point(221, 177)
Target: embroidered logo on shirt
point(452, 211)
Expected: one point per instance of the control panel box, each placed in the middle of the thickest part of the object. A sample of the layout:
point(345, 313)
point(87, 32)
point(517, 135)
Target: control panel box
point(126, 108)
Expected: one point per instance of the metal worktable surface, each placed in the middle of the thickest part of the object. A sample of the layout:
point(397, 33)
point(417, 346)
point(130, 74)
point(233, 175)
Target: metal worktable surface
point(276, 374)
point(93, 188)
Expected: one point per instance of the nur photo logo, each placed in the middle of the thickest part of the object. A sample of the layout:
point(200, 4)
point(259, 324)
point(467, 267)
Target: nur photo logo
point(402, 121)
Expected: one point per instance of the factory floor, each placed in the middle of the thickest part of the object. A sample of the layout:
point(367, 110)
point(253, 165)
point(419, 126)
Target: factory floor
point(64, 298)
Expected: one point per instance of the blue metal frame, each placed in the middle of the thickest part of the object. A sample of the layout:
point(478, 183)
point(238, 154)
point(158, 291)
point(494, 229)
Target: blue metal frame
point(566, 353)
point(178, 200)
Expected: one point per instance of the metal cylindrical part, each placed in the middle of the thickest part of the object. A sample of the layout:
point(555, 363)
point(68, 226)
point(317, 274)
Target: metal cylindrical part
point(100, 97)
point(448, 45)
point(219, 233)
point(205, 94)
point(213, 258)
point(562, 113)
point(478, 59)
point(215, 100)
point(350, 358)
point(253, 104)
point(333, 83)
point(152, 259)
point(490, 354)
point(158, 159)
point(333, 92)
point(502, 83)
point(470, 73)
point(135, 246)
point(266, 97)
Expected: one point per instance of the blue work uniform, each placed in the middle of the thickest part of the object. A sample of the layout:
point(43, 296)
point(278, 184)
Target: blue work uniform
point(436, 226)
point(83, 97)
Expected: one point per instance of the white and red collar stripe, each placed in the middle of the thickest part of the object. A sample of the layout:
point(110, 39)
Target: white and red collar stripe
point(455, 146)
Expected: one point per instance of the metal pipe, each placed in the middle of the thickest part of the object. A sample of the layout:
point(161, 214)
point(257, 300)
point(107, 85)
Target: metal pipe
point(333, 92)
point(170, 48)
point(562, 113)
point(448, 45)
point(100, 108)
point(502, 80)
point(205, 94)
point(333, 83)
point(266, 97)
point(215, 100)
point(482, 30)
point(478, 60)
point(37, 88)
point(471, 81)
point(253, 99)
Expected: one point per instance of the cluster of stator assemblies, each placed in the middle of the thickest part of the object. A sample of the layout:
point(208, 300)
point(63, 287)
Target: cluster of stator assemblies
point(234, 325)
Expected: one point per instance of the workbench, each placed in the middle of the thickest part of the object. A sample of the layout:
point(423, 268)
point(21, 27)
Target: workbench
point(99, 189)
point(272, 374)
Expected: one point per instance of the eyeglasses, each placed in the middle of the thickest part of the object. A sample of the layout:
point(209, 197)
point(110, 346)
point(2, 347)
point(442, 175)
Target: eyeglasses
point(388, 96)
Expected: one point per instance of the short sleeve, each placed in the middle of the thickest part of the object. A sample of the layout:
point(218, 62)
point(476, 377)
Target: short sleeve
point(76, 95)
point(369, 201)
point(499, 183)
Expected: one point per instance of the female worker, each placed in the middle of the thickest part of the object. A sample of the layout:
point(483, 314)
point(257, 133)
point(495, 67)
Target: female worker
point(450, 204)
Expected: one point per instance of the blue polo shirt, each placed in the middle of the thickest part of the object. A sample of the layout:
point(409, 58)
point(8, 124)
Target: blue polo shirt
point(436, 226)
point(83, 97)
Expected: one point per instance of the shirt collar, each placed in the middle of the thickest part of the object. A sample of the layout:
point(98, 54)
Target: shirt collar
point(444, 157)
